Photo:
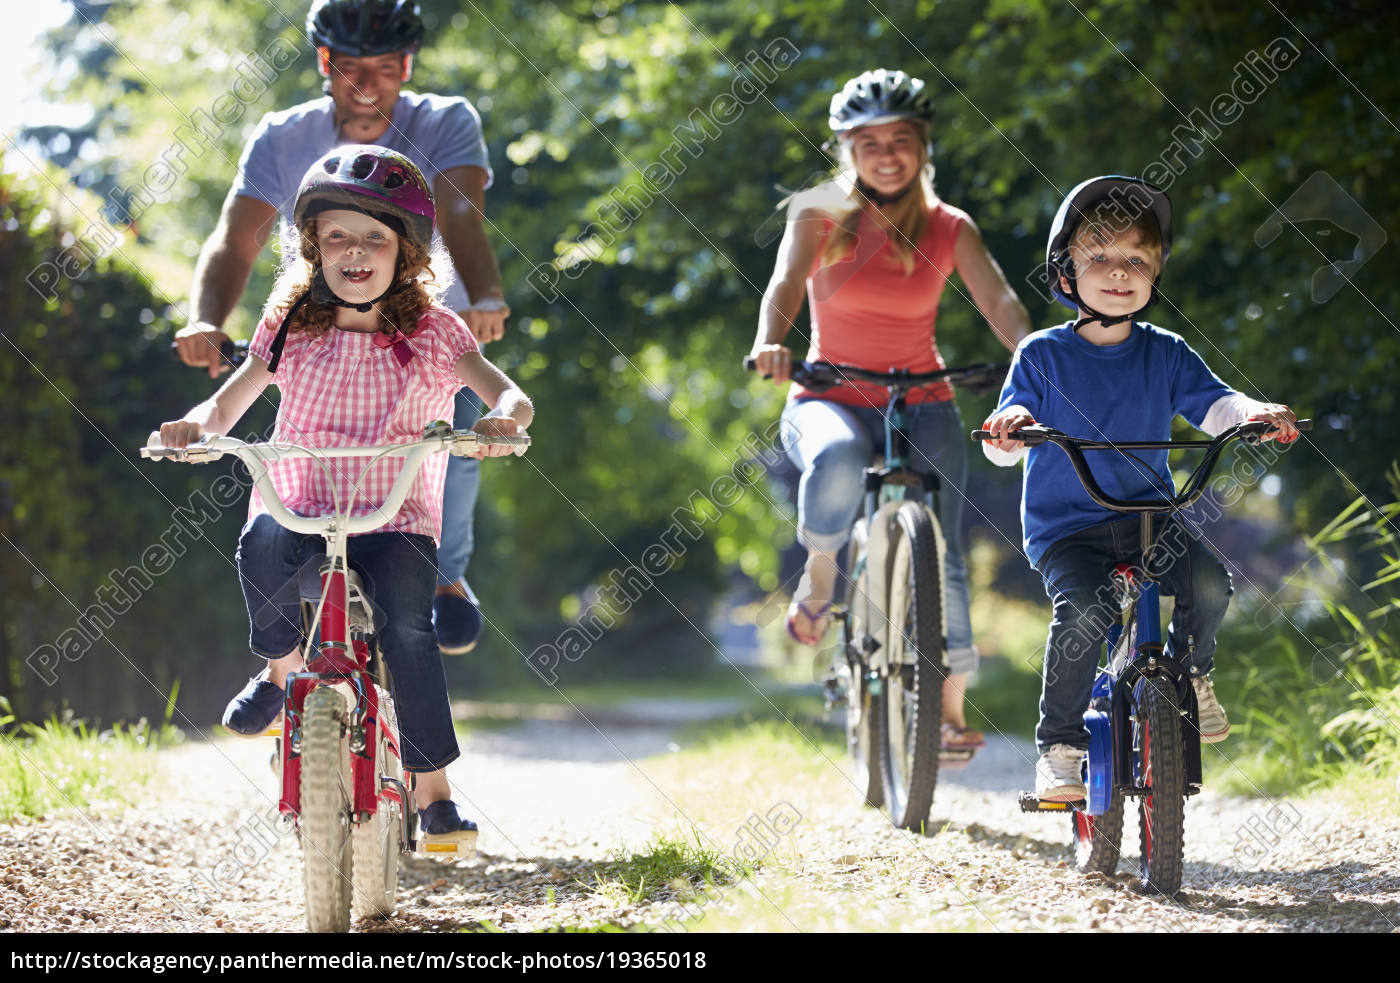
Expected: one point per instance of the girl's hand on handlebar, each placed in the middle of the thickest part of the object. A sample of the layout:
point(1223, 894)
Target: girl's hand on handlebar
point(1003, 423)
point(773, 362)
point(180, 433)
point(497, 426)
point(1282, 418)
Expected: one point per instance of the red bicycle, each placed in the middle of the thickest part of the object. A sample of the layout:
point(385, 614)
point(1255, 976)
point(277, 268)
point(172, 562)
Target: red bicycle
point(342, 778)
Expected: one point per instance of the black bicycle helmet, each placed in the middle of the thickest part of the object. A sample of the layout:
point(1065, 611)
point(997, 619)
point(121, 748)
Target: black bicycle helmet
point(879, 96)
point(1133, 196)
point(365, 27)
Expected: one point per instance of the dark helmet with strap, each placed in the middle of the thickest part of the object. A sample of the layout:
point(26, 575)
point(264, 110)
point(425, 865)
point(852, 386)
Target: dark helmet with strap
point(1132, 197)
point(365, 27)
point(879, 96)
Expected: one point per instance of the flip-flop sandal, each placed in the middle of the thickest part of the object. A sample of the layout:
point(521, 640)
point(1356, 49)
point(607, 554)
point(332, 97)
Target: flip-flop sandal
point(813, 617)
point(955, 738)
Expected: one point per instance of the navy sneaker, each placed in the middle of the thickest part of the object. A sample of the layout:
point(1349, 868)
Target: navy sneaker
point(255, 708)
point(442, 827)
point(457, 621)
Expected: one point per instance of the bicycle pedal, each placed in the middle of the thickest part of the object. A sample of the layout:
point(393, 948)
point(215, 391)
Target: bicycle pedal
point(1030, 802)
point(450, 846)
point(955, 760)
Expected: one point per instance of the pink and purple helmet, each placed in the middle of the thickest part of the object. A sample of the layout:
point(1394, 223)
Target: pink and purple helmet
point(369, 179)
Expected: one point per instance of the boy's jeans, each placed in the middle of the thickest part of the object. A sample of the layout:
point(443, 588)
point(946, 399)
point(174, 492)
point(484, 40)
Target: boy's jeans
point(832, 443)
point(397, 570)
point(1077, 572)
point(459, 498)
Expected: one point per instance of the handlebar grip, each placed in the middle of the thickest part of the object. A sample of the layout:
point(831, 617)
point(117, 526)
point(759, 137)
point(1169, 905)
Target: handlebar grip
point(750, 363)
point(230, 351)
point(1031, 438)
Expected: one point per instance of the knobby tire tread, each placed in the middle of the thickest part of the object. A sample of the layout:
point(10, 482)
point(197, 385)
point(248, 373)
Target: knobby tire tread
point(377, 843)
point(1160, 867)
point(326, 856)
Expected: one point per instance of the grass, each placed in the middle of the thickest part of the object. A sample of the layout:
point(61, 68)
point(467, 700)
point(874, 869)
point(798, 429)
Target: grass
point(64, 764)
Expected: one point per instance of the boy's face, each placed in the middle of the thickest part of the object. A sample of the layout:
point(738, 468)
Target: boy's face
point(358, 254)
point(1115, 275)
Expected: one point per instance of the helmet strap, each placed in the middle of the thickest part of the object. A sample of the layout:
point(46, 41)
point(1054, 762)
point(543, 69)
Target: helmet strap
point(321, 292)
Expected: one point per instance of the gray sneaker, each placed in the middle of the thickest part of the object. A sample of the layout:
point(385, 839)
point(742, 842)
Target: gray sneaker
point(1215, 726)
point(1059, 774)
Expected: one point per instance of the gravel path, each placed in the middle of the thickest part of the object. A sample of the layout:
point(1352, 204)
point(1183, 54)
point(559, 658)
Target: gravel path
point(559, 798)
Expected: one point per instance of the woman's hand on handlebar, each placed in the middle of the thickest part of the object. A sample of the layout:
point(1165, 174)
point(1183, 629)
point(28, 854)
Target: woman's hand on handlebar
point(495, 426)
point(773, 362)
point(180, 433)
point(1285, 430)
point(1003, 423)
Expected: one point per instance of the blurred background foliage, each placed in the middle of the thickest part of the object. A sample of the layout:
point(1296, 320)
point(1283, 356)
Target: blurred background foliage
point(633, 355)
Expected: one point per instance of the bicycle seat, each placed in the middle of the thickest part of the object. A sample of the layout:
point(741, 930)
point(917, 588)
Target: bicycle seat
point(365, 616)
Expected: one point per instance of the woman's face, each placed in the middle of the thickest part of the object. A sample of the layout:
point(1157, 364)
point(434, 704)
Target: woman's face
point(358, 254)
point(888, 157)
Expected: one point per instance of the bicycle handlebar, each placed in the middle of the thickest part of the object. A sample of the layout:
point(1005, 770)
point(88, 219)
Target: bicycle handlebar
point(1074, 447)
point(257, 457)
point(232, 352)
point(821, 376)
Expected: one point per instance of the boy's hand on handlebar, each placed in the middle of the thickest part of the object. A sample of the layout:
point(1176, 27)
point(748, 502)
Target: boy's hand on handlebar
point(773, 362)
point(180, 433)
point(198, 344)
point(1285, 430)
point(1003, 423)
point(498, 426)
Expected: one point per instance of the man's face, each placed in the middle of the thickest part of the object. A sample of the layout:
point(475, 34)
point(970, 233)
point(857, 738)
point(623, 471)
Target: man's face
point(366, 88)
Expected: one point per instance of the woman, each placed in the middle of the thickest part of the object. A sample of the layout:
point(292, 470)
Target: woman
point(872, 250)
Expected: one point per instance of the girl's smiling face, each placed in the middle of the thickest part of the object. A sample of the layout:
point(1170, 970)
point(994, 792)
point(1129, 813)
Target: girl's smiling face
point(359, 254)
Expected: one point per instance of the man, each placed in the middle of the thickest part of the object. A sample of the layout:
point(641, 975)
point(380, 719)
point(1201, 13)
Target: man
point(365, 52)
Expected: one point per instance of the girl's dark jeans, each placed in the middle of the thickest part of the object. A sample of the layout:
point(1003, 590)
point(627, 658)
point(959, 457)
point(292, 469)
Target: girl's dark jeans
point(400, 572)
point(1077, 572)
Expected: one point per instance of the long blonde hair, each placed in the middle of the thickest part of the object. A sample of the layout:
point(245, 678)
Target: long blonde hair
point(905, 220)
point(414, 275)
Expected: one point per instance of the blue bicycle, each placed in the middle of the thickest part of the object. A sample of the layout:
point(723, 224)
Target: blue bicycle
point(1144, 734)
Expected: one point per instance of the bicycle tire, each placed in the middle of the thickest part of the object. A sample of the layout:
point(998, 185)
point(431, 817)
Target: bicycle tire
point(1098, 840)
point(1161, 814)
point(911, 699)
point(860, 705)
point(327, 857)
point(378, 842)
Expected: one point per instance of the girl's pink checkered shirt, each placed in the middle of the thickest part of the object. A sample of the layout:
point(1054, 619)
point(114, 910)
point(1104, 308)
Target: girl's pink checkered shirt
point(343, 390)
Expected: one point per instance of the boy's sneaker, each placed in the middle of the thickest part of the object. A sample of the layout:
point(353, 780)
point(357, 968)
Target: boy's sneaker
point(1059, 774)
point(444, 831)
point(1215, 726)
point(457, 621)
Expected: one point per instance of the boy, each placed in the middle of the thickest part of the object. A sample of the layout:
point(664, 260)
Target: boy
point(1109, 377)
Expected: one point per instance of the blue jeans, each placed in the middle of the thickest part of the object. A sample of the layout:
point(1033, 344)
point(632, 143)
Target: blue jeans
point(459, 499)
point(1077, 572)
point(832, 443)
point(401, 566)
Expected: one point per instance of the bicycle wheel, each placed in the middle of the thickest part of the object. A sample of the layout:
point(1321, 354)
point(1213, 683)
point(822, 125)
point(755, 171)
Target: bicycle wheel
point(860, 705)
point(378, 842)
point(1161, 814)
point(1098, 840)
point(327, 858)
point(911, 700)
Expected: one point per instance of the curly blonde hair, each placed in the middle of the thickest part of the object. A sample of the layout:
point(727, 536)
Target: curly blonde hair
point(414, 276)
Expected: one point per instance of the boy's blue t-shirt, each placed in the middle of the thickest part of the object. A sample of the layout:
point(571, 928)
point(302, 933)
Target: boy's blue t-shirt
point(1123, 392)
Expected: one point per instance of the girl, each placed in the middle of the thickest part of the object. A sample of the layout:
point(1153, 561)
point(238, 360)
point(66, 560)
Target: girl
point(362, 354)
point(871, 251)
